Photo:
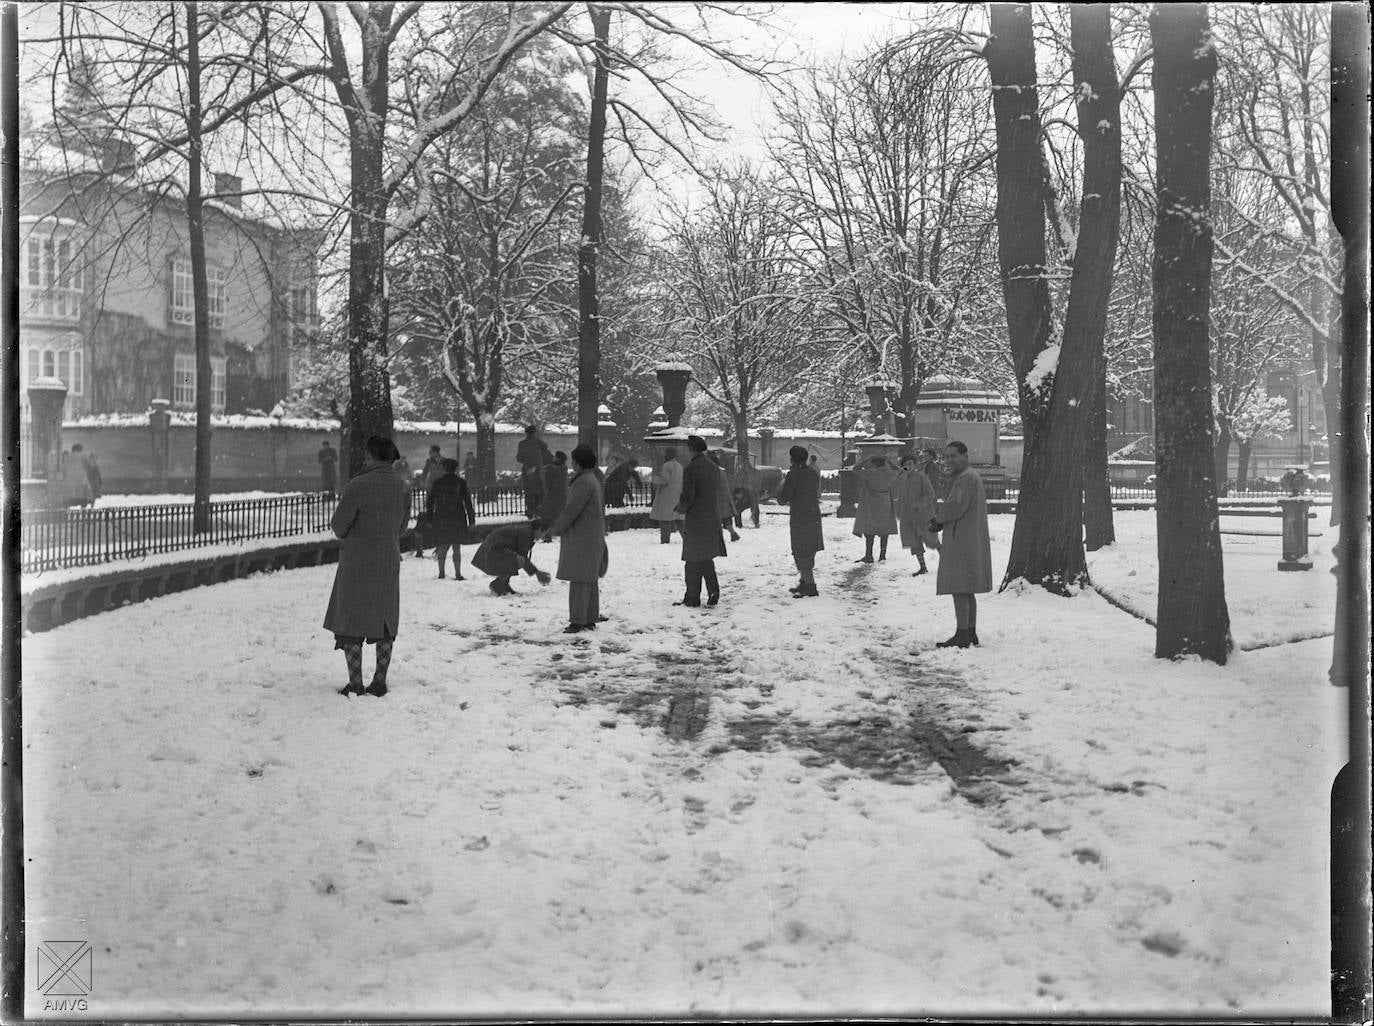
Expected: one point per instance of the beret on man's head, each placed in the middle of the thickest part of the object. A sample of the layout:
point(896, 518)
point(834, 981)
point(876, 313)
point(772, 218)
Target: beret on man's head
point(696, 443)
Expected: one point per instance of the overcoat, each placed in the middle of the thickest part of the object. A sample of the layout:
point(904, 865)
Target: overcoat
point(555, 491)
point(373, 512)
point(874, 515)
point(700, 509)
point(725, 502)
point(502, 550)
point(669, 481)
point(582, 554)
point(450, 510)
point(965, 554)
point(801, 493)
point(914, 499)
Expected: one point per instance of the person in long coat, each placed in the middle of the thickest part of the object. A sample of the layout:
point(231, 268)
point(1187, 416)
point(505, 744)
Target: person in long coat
point(725, 499)
point(582, 556)
point(532, 454)
point(914, 500)
point(874, 517)
point(328, 458)
point(667, 481)
point(966, 553)
point(801, 493)
point(702, 541)
point(449, 507)
point(620, 481)
point(365, 604)
point(555, 487)
point(505, 551)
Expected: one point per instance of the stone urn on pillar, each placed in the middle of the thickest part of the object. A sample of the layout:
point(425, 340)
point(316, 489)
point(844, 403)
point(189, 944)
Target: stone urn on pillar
point(674, 378)
point(606, 434)
point(47, 396)
point(880, 392)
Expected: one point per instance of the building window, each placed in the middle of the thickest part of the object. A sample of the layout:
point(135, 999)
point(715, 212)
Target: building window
point(304, 313)
point(51, 278)
point(184, 381)
point(184, 298)
point(68, 365)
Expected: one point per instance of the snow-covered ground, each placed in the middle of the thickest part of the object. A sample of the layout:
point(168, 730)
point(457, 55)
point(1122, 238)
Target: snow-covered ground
point(774, 806)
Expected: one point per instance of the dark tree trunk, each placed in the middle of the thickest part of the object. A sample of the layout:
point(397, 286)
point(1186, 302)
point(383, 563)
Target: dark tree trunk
point(588, 304)
point(1099, 525)
point(1047, 544)
point(1192, 617)
point(1010, 53)
point(1350, 809)
point(486, 450)
point(741, 419)
point(1221, 450)
point(200, 290)
point(1244, 449)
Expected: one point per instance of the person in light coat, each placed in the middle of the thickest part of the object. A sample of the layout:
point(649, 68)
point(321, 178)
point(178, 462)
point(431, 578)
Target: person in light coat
point(582, 555)
point(914, 500)
point(701, 538)
point(801, 493)
point(965, 553)
point(365, 603)
point(667, 481)
point(874, 517)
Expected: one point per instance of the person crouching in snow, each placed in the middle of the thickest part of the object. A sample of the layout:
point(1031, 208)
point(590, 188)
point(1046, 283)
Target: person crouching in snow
point(582, 554)
point(365, 603)
point(505, 552)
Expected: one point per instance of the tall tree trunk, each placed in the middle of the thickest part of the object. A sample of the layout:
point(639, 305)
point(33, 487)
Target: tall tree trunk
point(1099, 525)
point(1010, 53)
point(200, 290)
point(741, 419)
point(1047, 543)
point(1192, 617)
point(1244, 449)
point(1350, 818)
point(369, 384)
point(486, 449)
point(1221, 454)
point(588, 303)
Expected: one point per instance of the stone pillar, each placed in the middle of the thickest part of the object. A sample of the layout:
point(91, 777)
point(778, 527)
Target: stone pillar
point(1295, 555)
point(877, 406)
point(159, 432)
point(673, 378)
point(766, 447)
point(605, 433)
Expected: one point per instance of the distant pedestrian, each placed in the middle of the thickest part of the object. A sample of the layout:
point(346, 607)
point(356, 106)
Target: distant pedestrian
point(93, 476)
point(450, 512)
point(328, 458)
point(433, 468)
point(965, 553)
point(365, 603)
point(532, 454)
point(914, 501)
point(582, 555)
point(76, 481)
point(723, 498)
point(667, 481)
point(555, 488)
point(701, 538)
point(874, 517)
point(801, 493)
point(470, 468)
point(939, 480)
point(505, 551)
point(621, 480)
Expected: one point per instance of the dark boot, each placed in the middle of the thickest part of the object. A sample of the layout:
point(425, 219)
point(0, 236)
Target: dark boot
point(959, 640)
point(378, 685)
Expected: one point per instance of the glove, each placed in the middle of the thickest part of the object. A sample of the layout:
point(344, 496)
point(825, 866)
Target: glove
point(543, 577)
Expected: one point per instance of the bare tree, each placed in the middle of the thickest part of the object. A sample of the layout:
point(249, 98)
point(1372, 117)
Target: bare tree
point(1192, 618)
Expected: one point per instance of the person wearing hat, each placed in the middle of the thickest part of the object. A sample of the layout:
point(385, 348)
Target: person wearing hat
point(532, 454)
point(582, 555)
point(874, 517)
point(965, 554)
point(914, 501)
point(801, 494)
point(449, 508)
point(702, 541)
point(555, 487)
point(365, 602)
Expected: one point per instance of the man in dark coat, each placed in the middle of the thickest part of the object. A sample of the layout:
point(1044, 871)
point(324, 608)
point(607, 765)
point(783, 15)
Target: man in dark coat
point(582, 555)
point(965, 553)
point(365, 605)
point(505, 552)
point(532, 453)
point(801, 493)
point(555, 488)
point(702, 541)
point(449, 508)
point(621, 478)
point(329, 459)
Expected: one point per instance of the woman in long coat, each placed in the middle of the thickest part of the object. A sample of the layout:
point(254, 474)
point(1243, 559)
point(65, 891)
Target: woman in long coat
point(874, 518)
point(667, 481)
point(702, 541)
point(365, 603)
point(582, 555)
point(449, 508)
point(965, 554)
point(555, 487)
point(914, 500)
point(801, 493)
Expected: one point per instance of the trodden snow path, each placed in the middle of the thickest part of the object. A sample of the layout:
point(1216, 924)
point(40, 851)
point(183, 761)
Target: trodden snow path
point(775, 806)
